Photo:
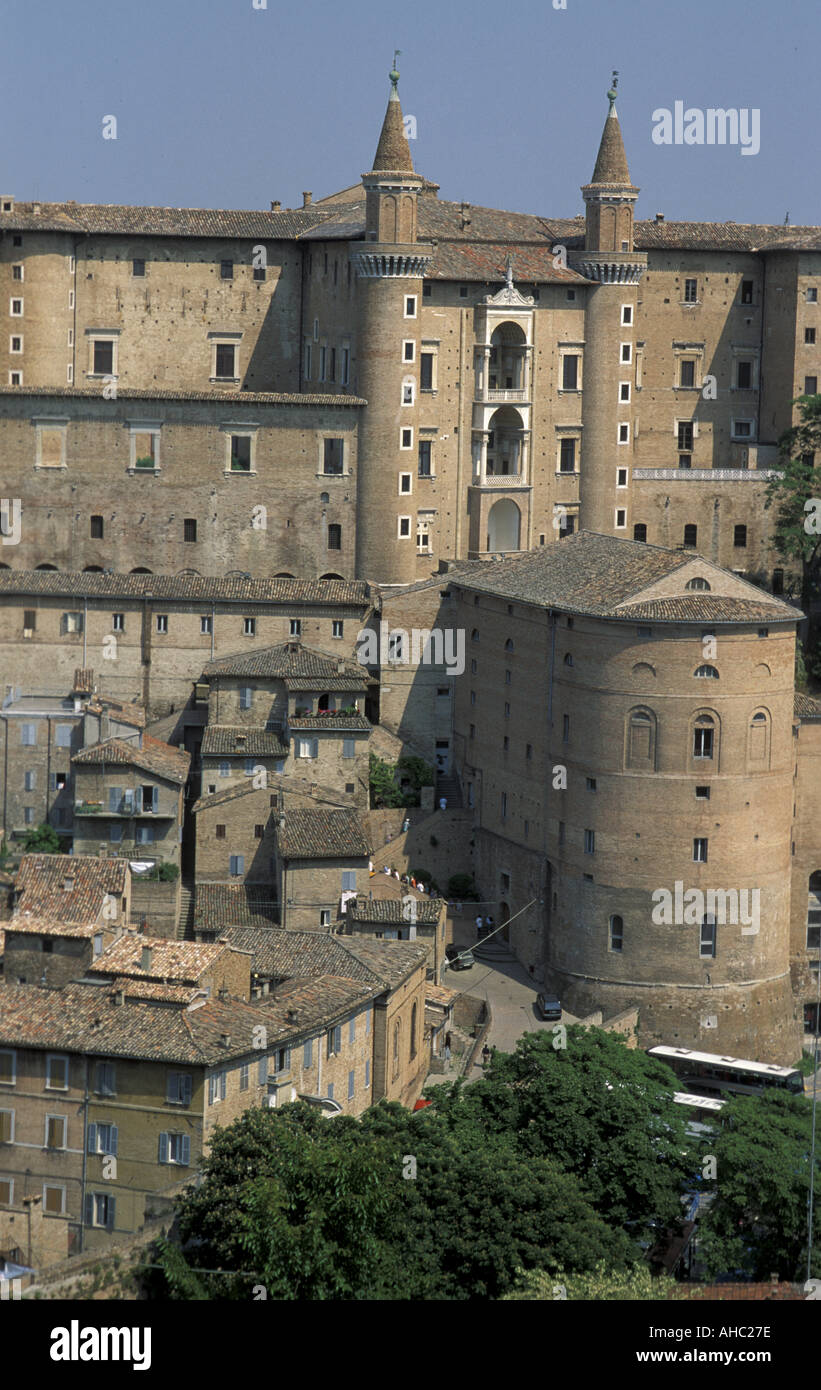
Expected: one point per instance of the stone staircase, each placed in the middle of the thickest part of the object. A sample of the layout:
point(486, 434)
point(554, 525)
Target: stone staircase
point(448, 786)
point(493, 950)
point(185, 928)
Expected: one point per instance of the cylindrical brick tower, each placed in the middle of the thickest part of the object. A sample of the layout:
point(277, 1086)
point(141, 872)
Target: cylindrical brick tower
point(389, 266)
point(681, 786)
point(608, 380)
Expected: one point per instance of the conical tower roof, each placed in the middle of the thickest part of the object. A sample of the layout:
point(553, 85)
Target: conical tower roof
point(393, 151)
point(611, 164)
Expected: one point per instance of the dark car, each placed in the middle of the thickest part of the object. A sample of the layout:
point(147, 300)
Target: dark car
point(459, 960)
point(549, 1007)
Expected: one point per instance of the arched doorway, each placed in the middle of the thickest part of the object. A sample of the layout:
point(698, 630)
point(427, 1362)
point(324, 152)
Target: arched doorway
point(504, 524)
point(507, 358)
point(504, 919)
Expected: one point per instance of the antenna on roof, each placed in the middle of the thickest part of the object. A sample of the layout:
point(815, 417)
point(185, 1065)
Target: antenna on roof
point(787, 220)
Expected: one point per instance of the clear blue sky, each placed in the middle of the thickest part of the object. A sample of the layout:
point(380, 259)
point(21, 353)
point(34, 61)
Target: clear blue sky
point(221, 105)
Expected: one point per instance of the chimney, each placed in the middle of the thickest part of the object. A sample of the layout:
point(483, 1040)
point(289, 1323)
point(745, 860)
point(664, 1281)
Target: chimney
point(306, 199)
point(225, 1039)
point(145, 958)
point(659, 216)
point(465, 210)
point(6, 202)
point(68, 885)
point(36, 209)
point(275, 206)
point(340, 666)
point(292, 1015)
point(119, 997)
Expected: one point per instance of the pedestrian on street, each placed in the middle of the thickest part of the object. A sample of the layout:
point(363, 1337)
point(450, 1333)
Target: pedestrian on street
point(485, 1054)
point(488, 924)
point(443, 803)
point(479, 926)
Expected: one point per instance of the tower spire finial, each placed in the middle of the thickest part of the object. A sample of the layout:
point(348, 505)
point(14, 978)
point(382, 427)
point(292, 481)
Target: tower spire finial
point(394, 72)
point(611, 95)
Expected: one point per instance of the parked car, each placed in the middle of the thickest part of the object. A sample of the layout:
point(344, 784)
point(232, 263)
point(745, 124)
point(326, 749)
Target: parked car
point(459, 960)
point(549, 1007)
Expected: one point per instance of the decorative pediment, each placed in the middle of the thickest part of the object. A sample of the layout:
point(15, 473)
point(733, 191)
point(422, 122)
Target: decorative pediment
point(508, 296)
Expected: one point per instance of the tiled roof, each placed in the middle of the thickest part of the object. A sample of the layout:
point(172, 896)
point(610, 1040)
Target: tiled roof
point(717, 608)
point(393, 910)
point(440, 994)
point(599, 575)
point(41, 885)
point(156, 393)
point(161, 759)
point(185, 587)
point(119, 712)
point(291, 661)
point(336, 724)
point(221, 739)
point(86, 1018)
point(26, 924)
point(230, 793)
point(322, 835)
point(392, 961)
point(724, 236)
point(170, 960)
point(806, 707)
point(285, 955)
point(219, 906)
point(116, 219)
point(155, 989)
point(305, 1003)
point(485, 261)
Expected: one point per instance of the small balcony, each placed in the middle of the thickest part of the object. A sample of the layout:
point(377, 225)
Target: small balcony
point(123, 811)
point(497, 396)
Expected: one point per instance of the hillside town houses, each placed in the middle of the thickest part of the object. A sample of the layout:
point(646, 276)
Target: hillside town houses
point(435, 486)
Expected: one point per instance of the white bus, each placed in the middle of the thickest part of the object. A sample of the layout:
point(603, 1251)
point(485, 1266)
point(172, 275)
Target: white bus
point(708, 1072)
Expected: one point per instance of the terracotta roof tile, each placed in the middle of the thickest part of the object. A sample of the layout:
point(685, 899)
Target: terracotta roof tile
point(185, 587)
point(221, 739)
point(221, 906)
point(292, 662)
point(161, 759)
point(42, 879)
point(115, 219)
point(322, 835)
point(392, 911)
point(168, 960)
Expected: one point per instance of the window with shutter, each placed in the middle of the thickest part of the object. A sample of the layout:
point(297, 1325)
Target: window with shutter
point(307, 1054)
point(262, 1071)
point(162, 1156)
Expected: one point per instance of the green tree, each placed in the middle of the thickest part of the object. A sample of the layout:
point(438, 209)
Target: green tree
point(42, 840)
point(383, 786)
point(598, 1285)
point(602, 1111)
point(758, 1220)
point(797, 532)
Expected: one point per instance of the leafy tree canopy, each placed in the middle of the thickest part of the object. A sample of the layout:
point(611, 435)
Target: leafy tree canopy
point(42, 840)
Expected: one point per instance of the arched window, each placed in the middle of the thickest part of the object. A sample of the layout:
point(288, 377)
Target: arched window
point(509, 645)
point(616, 933)
point(413, 1032)
point(324, 498)
point(324, 701)
point(45, 567)
point(568, 658)
point(704, 740)
point(283, 574)
point(641, 739)
point(397, 1039)
point(640, 532)
point(330, 576)
point(93, 569)
point(474, 636)
point(643, 668)
point(697, 583)
point(140, 570)
point(708, 673)
point(758, 746)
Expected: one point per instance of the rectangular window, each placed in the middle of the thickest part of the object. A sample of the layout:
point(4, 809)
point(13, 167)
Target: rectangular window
point(29, 780)
point(219, 832)
point(410, 306)
point(103, 359)
point(51, 446)
point(426, 371)
point(590, 842)
point(334, 1041)
point(616, 933)
point(621, 518)
point(16, 308)
point(809, 335)
point(176, 1148)
point(349, 748)
point(245, 696)
point(28, 735)
point(685, 434)
point(205, 626)
point(406, 438)
point(403, 527)
point(349, 880)
point(226, 270)
point(346, 364)
point(627, 313)
point(707, 941)
point(56, 1072)
point(570, 372)
point(746, 291)
point(8, 1067)
point(702, 793)
point(162, 622)
point(812, 295)
point(626, 352)
point(702, 743)
point(690, 291)
point(567, 456)
point(138, 266)
point(295, 627)
point(367, 1073)
point(565, 728)
point(105, 1079)
point(337, 627)
point(17, 272)
point(6, 1126)
point(145, 448)
point(624, 390)
point(425, 447)
point(236, 865)
point(700, 851)
point(744, 375)
point(225, 361)
point(351, 1084)
point(307, 372)
point(687, 372)
point(189, 529)
point(54, 1200)
point(179, 1088)
point(332, 459)
point(810, 385)
point(408, 350)
point(240, 456)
